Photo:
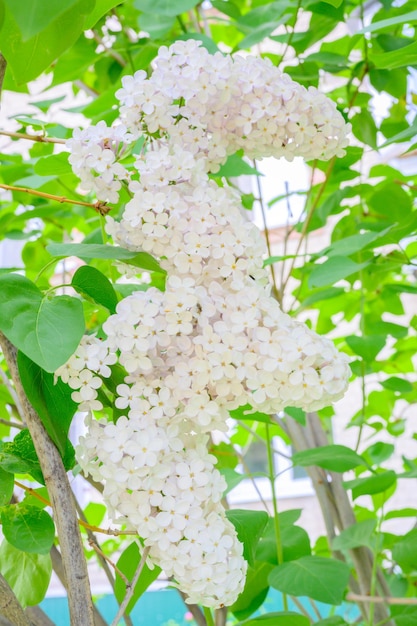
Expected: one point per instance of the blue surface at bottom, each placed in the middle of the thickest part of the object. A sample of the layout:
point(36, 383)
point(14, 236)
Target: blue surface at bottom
point(165, 608)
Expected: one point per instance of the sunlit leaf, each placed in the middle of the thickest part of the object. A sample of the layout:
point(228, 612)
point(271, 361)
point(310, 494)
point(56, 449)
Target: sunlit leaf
point(48, 330)
point(30, 580)
point(28, 528)
point(318, 578)
point(336, 458)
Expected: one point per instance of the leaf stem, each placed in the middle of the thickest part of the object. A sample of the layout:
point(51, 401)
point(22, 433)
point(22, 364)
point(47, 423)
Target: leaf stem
point(374, 573)
point(278, 538)
point(208, 615)
point(277, 292)
point(99, 206)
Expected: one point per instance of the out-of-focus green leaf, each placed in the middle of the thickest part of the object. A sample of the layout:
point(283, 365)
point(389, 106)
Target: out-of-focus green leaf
point(358, 534)
point(165, 7)
point(30, 580)
point(27, 59)
point(406, 18)
point(101, 7)
point(371, 484)
point(366, 347)
point(32, 16)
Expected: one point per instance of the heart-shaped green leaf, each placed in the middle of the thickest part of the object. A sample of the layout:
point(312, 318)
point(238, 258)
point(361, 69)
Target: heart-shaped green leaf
point(47, 330)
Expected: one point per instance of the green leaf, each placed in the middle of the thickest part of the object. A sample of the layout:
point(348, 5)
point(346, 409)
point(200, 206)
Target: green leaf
point(335, 457)
point(249, 527)
point(45, 105)
point(156, 25)
point(54, 164)
point(358, 534)
point(52, 401)
point(47, 330)
point(32, 16)
point(128, 564)
point(246, 412)
point(236, 166)
point(205, 41)
point(262, 31)
point(6, 486)
point(353, 243)
point(404, 135)
point(397, 384)
point(91, 282)
point(27, 574)
point(28, 59)
point(231, 477)
point(95, 512)
point(371, 484)
point(299, 415)
point(379, 452)
point(366, 347)
point(405, 551)
point(406, 18)
point(364, 128)
point(101, 8)
point(255, 591)
point(318, 578)
point(335, 620)
point(28, 528)
point(227, 7)
point(101, 251)
point(407, 512)
point(283, 618)
point(404, 615)
point(334, 269)
point(334, 3)
point(165, 7)
point(403, 57)
point(19, 456)
point(295, 544)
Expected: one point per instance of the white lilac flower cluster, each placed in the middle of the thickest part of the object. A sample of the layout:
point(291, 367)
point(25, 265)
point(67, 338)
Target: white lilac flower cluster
point(215, 339)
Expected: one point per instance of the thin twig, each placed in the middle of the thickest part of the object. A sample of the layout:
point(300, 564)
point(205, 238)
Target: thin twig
point(92, 542)
point(41, 138)
point(355, 597)
point(99, 206)
point(11, 424)
point(130, 589)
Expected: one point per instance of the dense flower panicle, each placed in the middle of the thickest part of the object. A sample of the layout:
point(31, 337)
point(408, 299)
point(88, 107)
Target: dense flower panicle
point(215, 339)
